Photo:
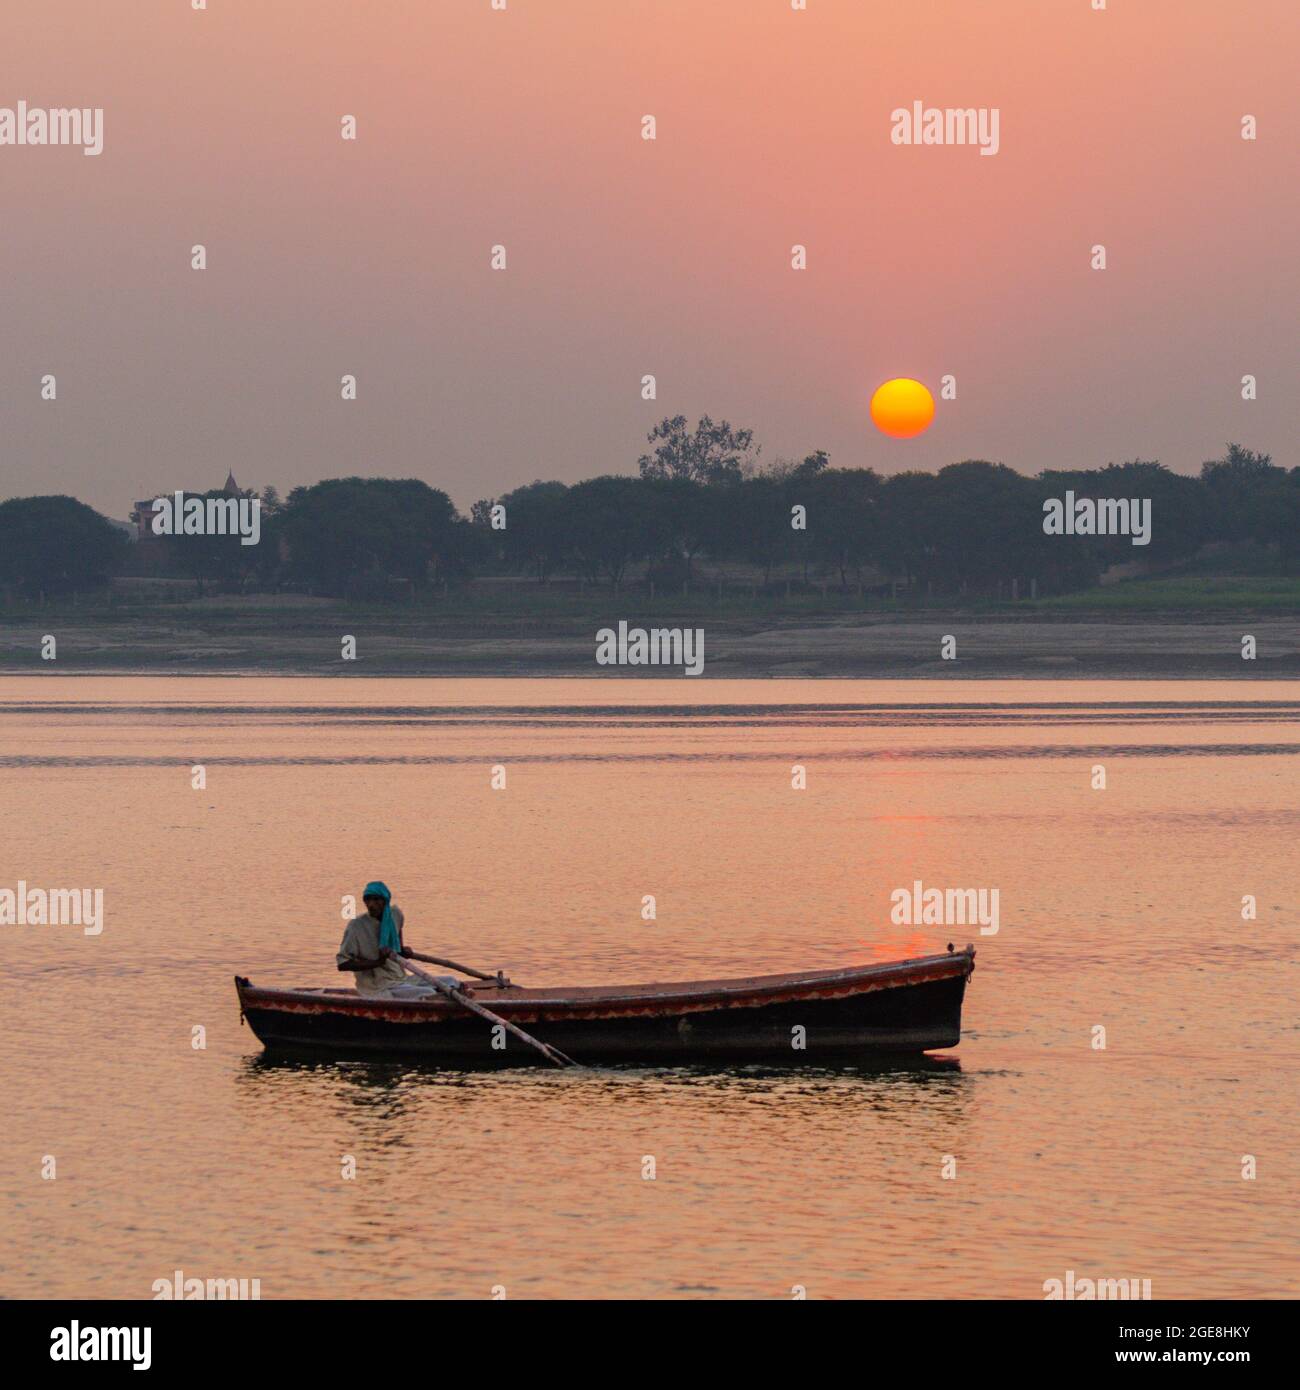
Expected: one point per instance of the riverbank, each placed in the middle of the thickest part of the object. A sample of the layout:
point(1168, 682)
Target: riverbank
point(296, 635)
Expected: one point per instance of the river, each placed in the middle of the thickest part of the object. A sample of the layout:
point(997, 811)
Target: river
point(1026, 1152)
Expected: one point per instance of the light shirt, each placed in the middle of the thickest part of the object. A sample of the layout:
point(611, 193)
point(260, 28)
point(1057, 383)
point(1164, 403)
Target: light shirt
point(361, 942)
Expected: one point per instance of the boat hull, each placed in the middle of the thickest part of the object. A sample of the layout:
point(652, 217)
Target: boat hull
point(816, 1018)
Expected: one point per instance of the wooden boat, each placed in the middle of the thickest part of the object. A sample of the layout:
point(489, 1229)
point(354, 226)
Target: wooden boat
point(906, 1006)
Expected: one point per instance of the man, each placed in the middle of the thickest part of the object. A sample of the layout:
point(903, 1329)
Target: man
point(372, 943)
point(372, 948)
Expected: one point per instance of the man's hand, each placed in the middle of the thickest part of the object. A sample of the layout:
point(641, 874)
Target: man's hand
point(356, 963)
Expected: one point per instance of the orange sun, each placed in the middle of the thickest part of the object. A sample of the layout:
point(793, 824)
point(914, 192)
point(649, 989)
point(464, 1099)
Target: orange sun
point(902, 408)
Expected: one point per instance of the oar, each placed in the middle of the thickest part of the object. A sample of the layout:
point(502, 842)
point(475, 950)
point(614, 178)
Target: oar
point(497, 979)
point(551, 1053)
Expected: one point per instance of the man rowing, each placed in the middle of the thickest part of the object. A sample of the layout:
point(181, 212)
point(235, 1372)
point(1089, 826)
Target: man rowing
point(372, 949)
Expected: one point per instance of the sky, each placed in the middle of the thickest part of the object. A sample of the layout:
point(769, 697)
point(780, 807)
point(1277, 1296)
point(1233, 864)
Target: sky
point(625, 257)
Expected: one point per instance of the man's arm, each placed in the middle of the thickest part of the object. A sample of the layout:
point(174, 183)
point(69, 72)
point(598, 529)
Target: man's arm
point(360, 963)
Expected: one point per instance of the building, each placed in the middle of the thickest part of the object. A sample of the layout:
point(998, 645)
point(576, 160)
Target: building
point(144, 511)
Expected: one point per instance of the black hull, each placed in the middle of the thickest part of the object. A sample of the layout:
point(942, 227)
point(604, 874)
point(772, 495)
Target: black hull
point(910, 1019)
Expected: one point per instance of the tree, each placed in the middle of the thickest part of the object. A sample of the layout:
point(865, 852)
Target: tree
point(56, 545)
point(843, 516)
point(688, 514)
point(712, 454)
point(908, 503)
point(1181, 518)
point(338, 531)
point(210, 558)
point(756, 523)
point(812, 465)
point(1234, 481)
point(467, 548)
point(797, 479)
point(1273, 517)
point(984, 521)
point(535, 537)
point(611, 521)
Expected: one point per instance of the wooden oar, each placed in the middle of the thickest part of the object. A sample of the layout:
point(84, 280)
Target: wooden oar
point(552, 1054)
point(497, 979)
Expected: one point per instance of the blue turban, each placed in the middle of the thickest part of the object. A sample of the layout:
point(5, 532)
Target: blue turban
point(388, 935)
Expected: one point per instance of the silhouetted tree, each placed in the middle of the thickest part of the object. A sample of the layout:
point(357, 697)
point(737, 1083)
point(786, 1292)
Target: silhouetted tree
point(1233, 482)
point(690, 515)
point(1273, 517)
point(843, 516)
point(757, 524)
point(611, 521)
point(909, 511)
point(713, 453)
point(536, 535)
point(1180, 509)
point(984, 513)
point(337, 531)
point(57, 545)
point(208, 557)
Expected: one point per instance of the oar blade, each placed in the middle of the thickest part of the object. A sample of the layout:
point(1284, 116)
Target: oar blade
point(552, 1054)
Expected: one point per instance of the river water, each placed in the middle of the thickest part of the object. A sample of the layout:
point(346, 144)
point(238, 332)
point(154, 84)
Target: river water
point(1119, 909)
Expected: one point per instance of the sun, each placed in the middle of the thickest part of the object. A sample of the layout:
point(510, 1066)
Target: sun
point(902, 408)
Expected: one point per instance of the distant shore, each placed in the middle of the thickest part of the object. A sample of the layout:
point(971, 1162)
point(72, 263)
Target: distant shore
point(288, 637)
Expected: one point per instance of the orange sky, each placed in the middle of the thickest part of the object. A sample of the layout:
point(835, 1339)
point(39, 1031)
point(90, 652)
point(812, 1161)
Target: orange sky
point(628, 257)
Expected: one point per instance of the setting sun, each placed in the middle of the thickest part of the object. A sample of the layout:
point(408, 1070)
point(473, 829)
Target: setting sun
point(902, 408)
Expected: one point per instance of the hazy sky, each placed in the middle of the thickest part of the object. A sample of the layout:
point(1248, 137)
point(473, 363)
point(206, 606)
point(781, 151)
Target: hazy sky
point(628, 257)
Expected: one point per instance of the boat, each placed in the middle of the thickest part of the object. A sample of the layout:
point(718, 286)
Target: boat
point(906, 1006)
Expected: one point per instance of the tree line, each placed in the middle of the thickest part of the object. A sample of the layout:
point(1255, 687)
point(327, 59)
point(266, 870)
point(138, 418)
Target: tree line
point(701, 498)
